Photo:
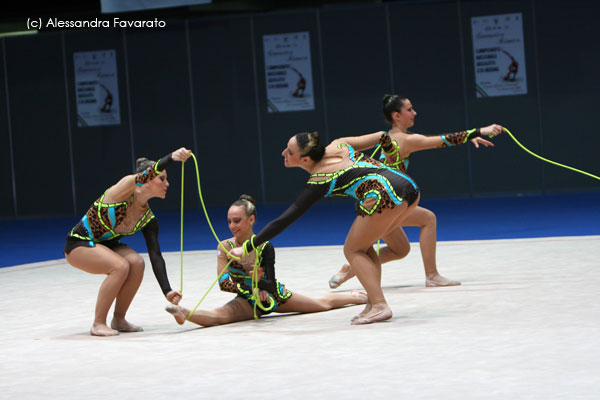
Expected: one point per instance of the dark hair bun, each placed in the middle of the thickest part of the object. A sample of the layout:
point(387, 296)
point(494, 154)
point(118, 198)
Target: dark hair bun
point(248, 203)
point(318, 150)
point(139, 161)
point(142, 163)
point(310, 145)
point(392, 103)
point(247, 198)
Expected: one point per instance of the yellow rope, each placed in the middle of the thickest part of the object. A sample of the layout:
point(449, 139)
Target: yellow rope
point(181, 229)
point(549, 161)
point(208, 291)
point(204, 207)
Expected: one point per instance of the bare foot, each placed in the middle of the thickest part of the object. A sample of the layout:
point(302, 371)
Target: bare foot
point(122, 325)
point(436, 280)
point(340, 277)
point(377, 314)
point(102, 330)
point(177, 312)
point(361, 296)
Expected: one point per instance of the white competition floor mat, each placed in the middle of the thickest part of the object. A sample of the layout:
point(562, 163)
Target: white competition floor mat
point(524, 324)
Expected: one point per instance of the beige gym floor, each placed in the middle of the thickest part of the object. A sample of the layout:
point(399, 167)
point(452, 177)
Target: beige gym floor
point(525, 324)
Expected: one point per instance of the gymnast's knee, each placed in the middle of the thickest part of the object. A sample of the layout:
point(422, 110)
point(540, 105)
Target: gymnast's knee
point(137, 265)
point(354, 256)
point(350, 253)
point(325, 304)
point(429, 219)
point(400, 253)
point(120, 268)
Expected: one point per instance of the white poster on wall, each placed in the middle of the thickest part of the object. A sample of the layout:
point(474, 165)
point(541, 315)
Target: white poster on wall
point(96, 88)
point(288, 72)
point(499, 55)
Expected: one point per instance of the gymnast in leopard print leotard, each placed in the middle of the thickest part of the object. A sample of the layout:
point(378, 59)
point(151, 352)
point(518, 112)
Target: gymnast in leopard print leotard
point(94, 246)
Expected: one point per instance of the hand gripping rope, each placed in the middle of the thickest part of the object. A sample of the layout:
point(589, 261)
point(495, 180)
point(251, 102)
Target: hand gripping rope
point(255, 291)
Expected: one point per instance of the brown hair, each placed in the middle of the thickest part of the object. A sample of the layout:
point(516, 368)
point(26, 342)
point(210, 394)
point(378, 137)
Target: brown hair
point(310, 145)
point(392, 103)
point(248, 203)
point(142, 163)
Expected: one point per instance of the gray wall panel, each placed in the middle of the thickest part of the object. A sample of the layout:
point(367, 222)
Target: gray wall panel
point(224, 90)
point(356, 68)
point(427, 70)
point(570, 85)
point(6, 182)
point(39, 121)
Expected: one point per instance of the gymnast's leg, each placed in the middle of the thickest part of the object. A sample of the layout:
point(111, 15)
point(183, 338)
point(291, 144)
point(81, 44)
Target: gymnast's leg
point(358, 249)
point(426, 220)
point(236, 310)
point(128, 290)
point(359, 252)
point(101, 260)
point(398, 247)
point(305, 304)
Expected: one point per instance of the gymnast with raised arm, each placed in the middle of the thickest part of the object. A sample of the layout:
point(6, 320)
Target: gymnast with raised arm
point(398, 145)
point(94, 245)
point(272, 294)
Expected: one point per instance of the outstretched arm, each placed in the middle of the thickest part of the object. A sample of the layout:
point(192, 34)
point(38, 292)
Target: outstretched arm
point(416, 142)
point(310, 194)
point(362, 142)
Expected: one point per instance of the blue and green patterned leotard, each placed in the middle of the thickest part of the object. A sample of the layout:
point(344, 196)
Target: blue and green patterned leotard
point(236, 279)
point(368, 181)
point(374, 186)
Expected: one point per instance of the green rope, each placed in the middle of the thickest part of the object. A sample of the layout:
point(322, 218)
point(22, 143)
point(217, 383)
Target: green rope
point(375, 151)
point(204, 206)
point(255, 291)
point(208, 291)
point(549, 161)
point(255, 283)
point(181, 230)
